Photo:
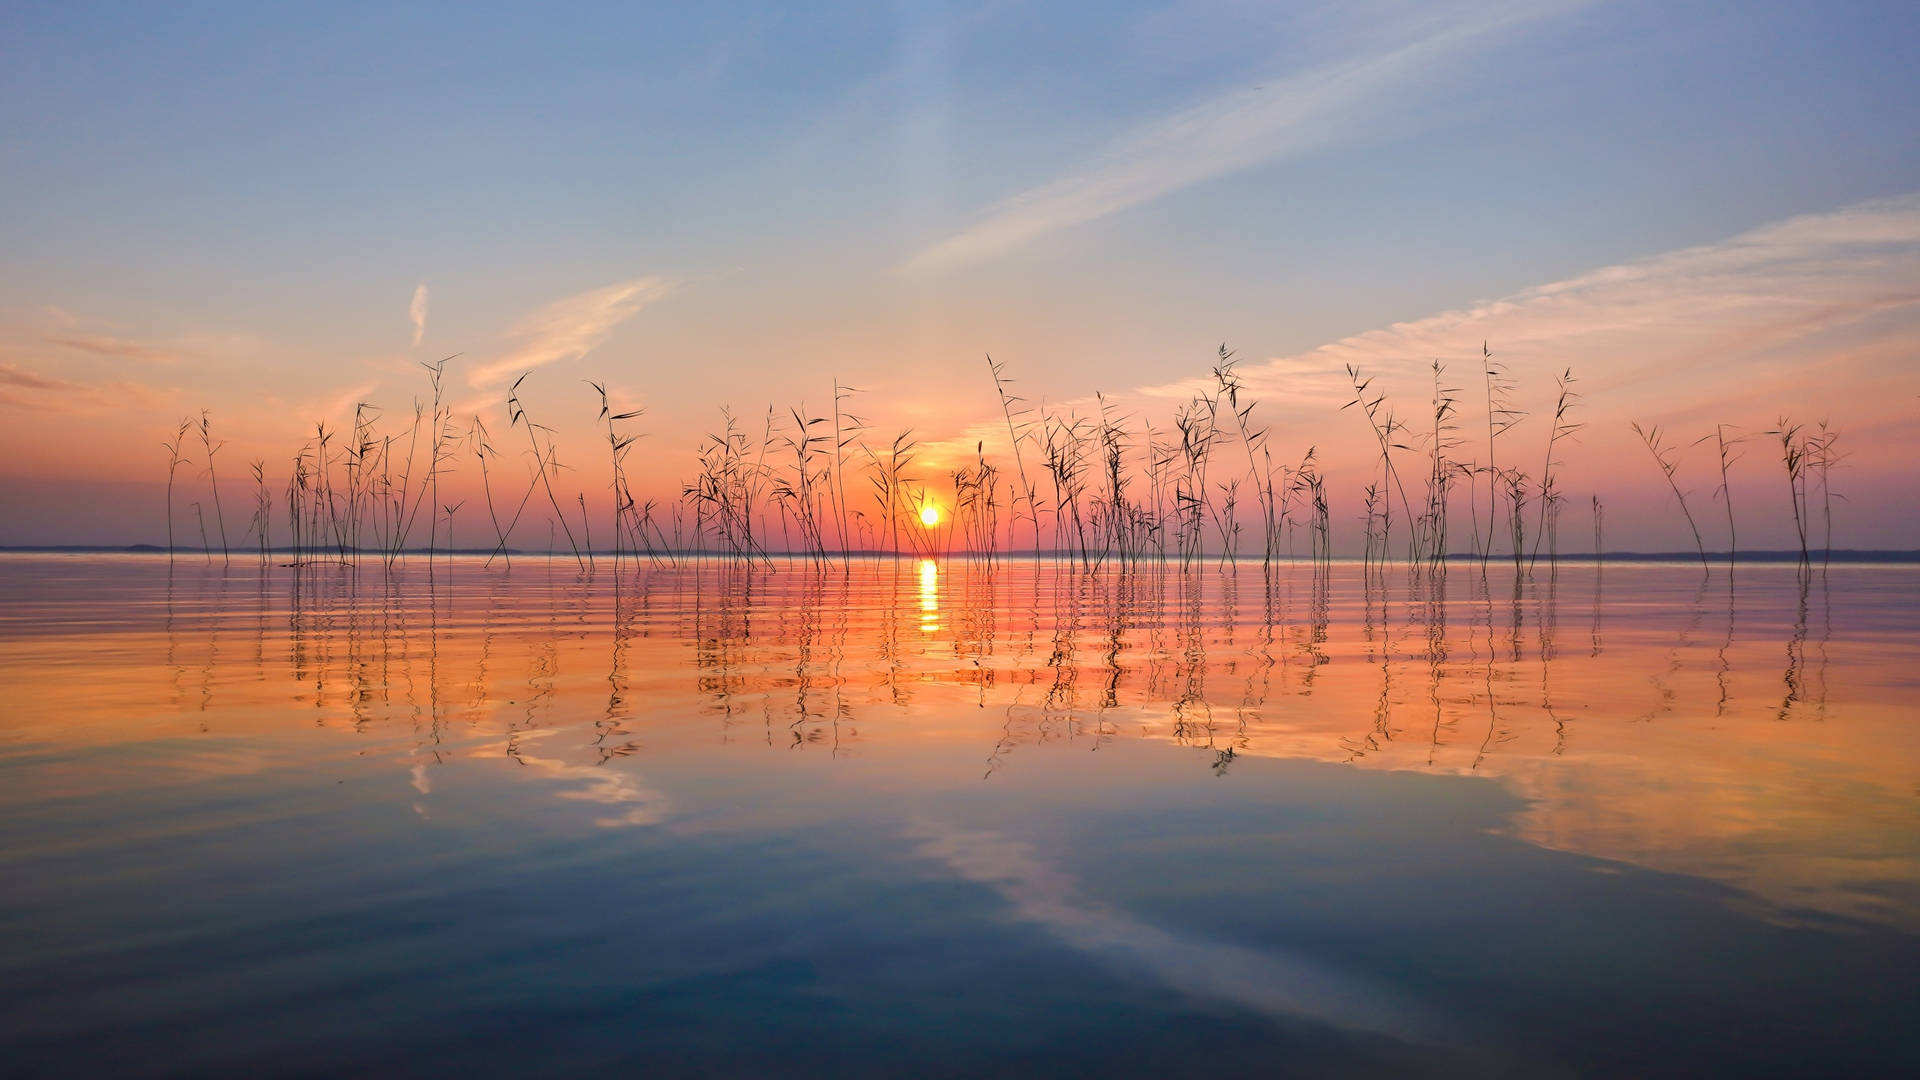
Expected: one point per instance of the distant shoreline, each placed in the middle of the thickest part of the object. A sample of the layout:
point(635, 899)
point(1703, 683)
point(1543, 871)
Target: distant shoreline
point(1838, 555)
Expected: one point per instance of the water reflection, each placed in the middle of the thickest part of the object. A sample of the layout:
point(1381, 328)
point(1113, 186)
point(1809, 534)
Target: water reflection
point(1753, 737)
point(1447, 672)
point(929, 596)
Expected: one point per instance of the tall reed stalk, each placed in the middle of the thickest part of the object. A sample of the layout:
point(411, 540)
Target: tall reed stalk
point(213, 481)
point(262, 509)
point(1823, 459)
point(545, 461)
point(1728, 454)
point(1254, 441)
point(175, 459)
point(1663, 456)
point(1563, 427)
point(1501, 417)
point(1793, 453)
point(1014, 410)
point(1385, 428)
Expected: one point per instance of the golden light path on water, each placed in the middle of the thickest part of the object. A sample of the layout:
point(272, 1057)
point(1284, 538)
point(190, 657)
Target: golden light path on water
point(929, 596)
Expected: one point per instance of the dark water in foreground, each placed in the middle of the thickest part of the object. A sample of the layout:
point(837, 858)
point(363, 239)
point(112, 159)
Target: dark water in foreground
point(929, 819)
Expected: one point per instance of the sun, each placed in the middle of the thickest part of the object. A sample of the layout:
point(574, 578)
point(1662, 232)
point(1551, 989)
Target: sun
point(929, 515)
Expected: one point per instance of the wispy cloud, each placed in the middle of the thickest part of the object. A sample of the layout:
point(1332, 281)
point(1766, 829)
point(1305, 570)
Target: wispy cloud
point(1774, 303)
point(1679, 324)
point(334, 404)
point(13, 376)
point(417, 311)
point(118, 348)
point(570, 328)
point(33, 392)
point(1284, 115)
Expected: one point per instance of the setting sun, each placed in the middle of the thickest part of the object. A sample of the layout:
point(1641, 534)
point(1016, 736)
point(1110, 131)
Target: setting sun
point(929, 515)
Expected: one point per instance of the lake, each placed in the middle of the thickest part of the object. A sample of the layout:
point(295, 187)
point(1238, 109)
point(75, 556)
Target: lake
point(957, 818)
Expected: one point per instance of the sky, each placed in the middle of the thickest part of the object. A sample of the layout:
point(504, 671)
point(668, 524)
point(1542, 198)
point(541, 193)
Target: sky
point(1709, 212)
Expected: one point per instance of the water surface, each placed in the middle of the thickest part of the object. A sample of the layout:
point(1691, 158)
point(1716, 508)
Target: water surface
point(956, 819)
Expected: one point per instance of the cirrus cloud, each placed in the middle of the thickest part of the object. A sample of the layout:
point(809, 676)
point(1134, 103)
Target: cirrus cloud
point(417, 313)
point(1283, 116)
point(570, 328)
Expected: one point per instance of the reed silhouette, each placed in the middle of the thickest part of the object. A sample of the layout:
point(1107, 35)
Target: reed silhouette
point(1118, 488)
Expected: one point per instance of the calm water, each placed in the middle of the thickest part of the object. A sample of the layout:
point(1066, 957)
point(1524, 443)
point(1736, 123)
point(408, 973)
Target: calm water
point(937, 820)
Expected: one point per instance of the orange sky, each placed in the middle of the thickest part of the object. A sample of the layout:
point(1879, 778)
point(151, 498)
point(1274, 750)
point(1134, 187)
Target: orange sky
point(1814, 317)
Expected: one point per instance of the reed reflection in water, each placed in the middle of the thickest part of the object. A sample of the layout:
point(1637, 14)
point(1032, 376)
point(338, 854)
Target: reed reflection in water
point(1310, 796)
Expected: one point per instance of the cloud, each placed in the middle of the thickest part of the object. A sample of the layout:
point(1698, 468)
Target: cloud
point(1806, 301)
point(417, 311)
point(32, 392)
point(570, 328)
point(13, 376)
point(334, 404)
point(27, 391)
point(1763, 305)
point(1283, 116)
point(118, 348)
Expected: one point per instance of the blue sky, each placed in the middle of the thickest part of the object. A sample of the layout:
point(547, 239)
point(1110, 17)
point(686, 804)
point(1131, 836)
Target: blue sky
point(1099, 192)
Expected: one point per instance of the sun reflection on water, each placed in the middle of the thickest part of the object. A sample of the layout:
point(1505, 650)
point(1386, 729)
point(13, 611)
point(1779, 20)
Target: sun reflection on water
point(929, 596)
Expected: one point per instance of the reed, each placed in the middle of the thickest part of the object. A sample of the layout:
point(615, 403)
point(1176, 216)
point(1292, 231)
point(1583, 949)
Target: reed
point(1728, 449)
point(451, 509)
point(1664, 457)
point(175, 459)
point(1516, 489)
point(1121, 488)
point(482, 445)
point(1563, 427)
point(1794, 455)
point(439, 443)
point(1122, 525)
point(618, 445)
point(1375, 540)
point(1385, 429)
point(1197, 425)
point(1441, 470)
point(1501, 418)
point(1159, 466)
point(205, 548)
point(1227, 379)
point(213, 481)
point(296, 488)
point(976, 506)
point(728, 487)
point(800, 493)
point(1822, 457)
point(262, 509)
point(1312, 486)
point(363, 450)
point(1066, 461)
point(1468, 473)
point(397, 516)
point(586, 528)
point(1014, 410)
point(888, 474)
point(847, 429)
point(545, 462)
